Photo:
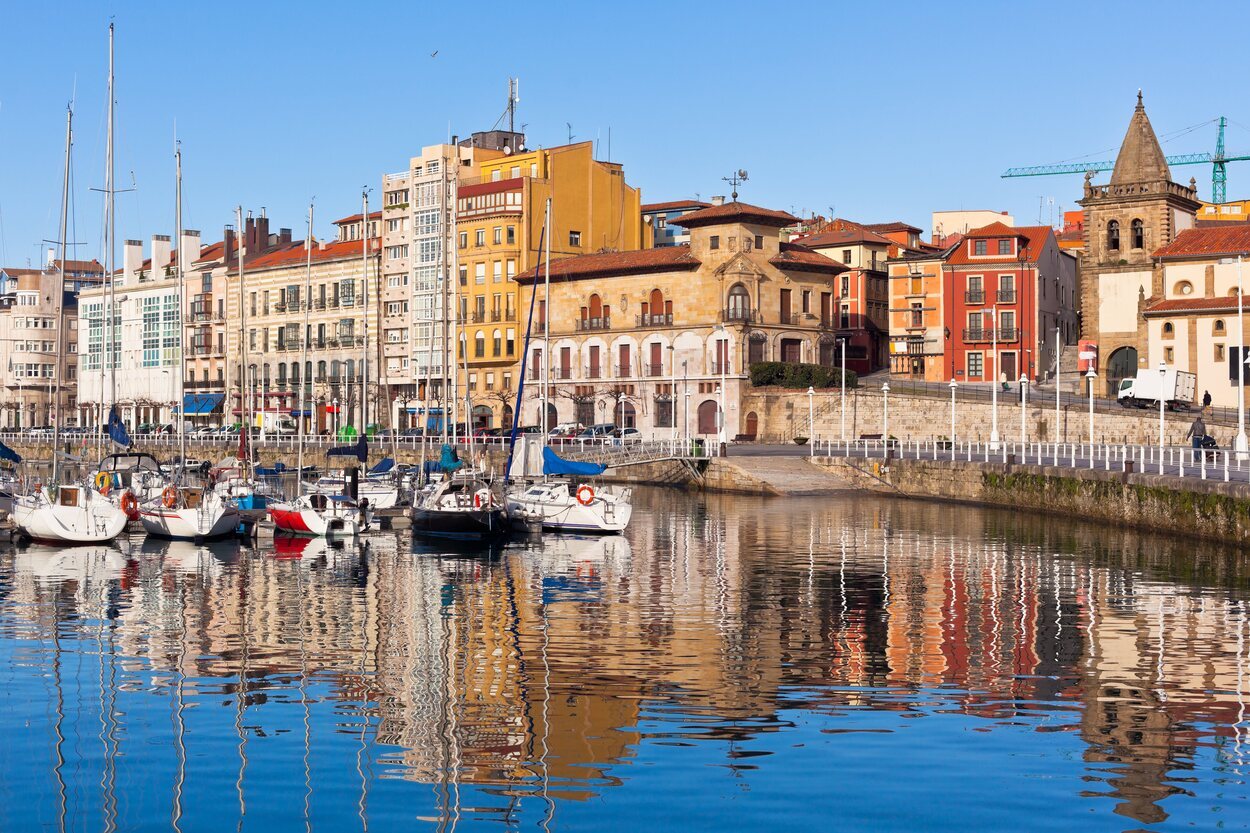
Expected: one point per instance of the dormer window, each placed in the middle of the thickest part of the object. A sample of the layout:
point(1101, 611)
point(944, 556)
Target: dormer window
point(980, 247)
point(1004, 247)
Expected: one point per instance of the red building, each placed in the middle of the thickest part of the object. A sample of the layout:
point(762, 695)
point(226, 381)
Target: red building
point(1006, 291)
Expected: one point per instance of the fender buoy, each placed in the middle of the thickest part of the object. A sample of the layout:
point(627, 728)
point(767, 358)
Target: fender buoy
point(103, 483)
point(477, 500)
point(130, 505)
point(169, 497)
point(585, 495)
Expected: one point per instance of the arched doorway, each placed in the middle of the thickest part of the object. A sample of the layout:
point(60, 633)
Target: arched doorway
point(553, 417)
point(507, 417)
point(1121, 365)
point(625, 415)
point(483, 416)
point(708, 409)
point(753, 425)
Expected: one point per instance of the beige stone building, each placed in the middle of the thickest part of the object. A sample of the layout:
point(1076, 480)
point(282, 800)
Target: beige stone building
point(28, 339)
point(646, 339)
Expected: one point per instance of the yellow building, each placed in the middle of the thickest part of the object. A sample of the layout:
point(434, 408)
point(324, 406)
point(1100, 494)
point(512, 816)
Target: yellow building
point(1237, 211)
point(917, 330)
point(499, 223)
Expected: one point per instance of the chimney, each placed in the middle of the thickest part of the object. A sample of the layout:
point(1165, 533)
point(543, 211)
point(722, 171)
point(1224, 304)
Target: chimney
point(718, 200)
point(51, 256)
point(262, 233)
point(284, 236)
point(227, 244)
point(161, 250)
point(132, 260)
point(249, 235)
point(188, 248)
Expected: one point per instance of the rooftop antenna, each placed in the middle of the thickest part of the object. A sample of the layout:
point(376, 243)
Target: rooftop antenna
point(735, 179)
point(570, 127)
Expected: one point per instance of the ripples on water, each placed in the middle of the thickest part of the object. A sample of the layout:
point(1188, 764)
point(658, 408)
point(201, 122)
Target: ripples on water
point(731, 663)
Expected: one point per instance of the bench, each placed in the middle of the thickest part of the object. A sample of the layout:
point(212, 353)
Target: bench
point(870, 436)
point(744, 438)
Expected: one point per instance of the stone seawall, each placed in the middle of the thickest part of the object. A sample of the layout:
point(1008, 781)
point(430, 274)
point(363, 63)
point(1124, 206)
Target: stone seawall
point(782, 415)
point(1201, 508)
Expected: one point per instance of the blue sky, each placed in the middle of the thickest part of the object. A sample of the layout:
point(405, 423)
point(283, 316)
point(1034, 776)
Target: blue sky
point(881, 111)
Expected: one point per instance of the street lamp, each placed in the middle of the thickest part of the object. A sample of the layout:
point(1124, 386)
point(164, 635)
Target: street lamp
point(885, 414)
point(1089, 380)
point(1163, 373)
point(336, 416)
point(723, 358)
point(1057, 385)
point(953, 386)
point(1239, 444)
point(811, 418)
point(685, 418)
point(1024, 408)
point(994, 379)
point(842, 350)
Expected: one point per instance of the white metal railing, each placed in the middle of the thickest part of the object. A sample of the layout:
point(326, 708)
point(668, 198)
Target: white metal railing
point(1174, 461)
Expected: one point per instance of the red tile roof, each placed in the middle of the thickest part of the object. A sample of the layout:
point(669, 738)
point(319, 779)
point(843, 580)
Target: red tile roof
point(1033, 237)
point(856, 234)
point(897, 225)
point(651, 207)
point(355, 218)
point(79, 266)
point(735, 212)
point(803, 259)
point(477, 189)
point(1209, 242)
point(294, 253)
point(664, 259)
point(1197, 304)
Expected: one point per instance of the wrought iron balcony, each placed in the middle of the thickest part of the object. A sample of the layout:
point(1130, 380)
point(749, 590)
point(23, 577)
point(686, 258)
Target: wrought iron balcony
point(586, 324)
point(974, 296)
point(1006, 296)
point(655, 370)
point(738, 314)
point(1002, 334)
point(656, 319)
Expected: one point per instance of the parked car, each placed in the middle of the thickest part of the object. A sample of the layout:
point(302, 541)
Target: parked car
point(40, 431)
point(411, 433)
point(598, 432)
point(622, 436)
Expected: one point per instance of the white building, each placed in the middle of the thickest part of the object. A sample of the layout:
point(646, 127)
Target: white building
point(946, 223)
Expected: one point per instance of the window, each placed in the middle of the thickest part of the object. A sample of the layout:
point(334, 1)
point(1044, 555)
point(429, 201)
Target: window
point(1004, 247)
point(1113, 236)
point(575, 238)
point(846, 257)
point(464, 239)
point(1168, 329)
point(1138, 233)
point(497, 343)
point(1167, 354)
point(479, 344)
point(511, 237)
point(759, 241)
point(739, 308)
point(511, 269)
point(479, 239)
point(1184, 288)
point(510, 344)
point(399, 197)
point(976, 367)
point(498, 271)
point(980, 247)
point(807, 300)
point(1219, 325)
point(1219, 352)
point(479, 273)
point(714, 241)
point(464, 275)
point(534, 169)
point(496, 235)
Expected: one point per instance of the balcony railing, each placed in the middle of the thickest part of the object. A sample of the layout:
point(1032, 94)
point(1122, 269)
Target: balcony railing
point(623, 371)
point(655, 370)
point(655, 319)
point(585, 324)
point(1002, 334)
point(594, 372)
point(788, 318)
point(974, 296)
point(478, 316)
point(721, 367)
point(1006, 296)
point(564, 373)
point(744, 316)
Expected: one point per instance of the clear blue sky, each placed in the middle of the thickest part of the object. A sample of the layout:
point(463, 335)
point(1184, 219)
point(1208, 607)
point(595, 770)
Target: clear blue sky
point(882, 111)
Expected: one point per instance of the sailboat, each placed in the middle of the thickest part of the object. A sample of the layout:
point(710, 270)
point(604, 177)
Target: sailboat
point(566, 505)
point(182, 511)
point(54, 512)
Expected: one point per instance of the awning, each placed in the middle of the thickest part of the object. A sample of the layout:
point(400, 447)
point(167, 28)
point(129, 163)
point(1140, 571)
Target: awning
point(200, 404)
point(301, 413)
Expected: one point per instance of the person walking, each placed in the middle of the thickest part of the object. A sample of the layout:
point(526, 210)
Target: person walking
point(1197, 433)
point(1206, 400)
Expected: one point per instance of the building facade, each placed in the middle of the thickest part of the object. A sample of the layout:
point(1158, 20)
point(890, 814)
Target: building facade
point(660, 220)
point(29, 307)
point(918, 333)
point(662, 339)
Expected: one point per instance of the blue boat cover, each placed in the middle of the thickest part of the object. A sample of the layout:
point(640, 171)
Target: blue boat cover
point(449, 461)
point(554, 464)
point(9, 454)
point(360, 450)
point(117, 429)
point(201, 403)
point(384, 465)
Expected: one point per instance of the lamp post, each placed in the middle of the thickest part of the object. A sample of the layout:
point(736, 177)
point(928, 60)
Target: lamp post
point(811, 418)
point(723, 358)
point(1089, 380)
point(885, 414)
point(1163, 372)
point(685, 418)
point(1024, 409)
point(842, 350)
point(1240, 443)
point(953, 386)
point(994, 387)
point(336, 416)
point(1057, 385)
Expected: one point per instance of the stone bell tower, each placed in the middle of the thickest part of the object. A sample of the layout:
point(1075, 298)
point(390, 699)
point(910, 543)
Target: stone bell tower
point(1139, 211)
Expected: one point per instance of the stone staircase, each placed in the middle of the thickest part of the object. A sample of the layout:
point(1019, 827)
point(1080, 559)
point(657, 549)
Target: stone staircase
point(790, 475)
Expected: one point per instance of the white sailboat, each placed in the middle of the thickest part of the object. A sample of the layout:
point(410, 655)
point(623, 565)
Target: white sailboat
point(186, 512)
point(59, 513)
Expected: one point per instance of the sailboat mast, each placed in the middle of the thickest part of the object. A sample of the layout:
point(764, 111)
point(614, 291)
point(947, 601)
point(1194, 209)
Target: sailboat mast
point(304, 381)
point(547, 319)
point(364, 353)
point(453, 345)
point(60, 305)
point(110, 223)
point(243, 398)
point(180, 256)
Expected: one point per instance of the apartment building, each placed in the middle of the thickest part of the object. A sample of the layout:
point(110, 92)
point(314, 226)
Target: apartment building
point(29, 306)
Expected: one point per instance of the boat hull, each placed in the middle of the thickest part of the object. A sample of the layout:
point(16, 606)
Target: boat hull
point(190, 524)
point(460, 524)
point(558, 513)
point(308, 521)
point(96, 522)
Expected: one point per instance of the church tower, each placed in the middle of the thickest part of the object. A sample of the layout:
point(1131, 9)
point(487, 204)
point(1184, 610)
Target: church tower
point(1139, 211)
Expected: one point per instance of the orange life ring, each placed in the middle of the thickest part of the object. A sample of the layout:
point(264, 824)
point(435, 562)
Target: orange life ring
point(169, 497)
point(585, 495)
point(130, 505)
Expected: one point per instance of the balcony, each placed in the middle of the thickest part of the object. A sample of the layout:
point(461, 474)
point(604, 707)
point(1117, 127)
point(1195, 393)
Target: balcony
point(718, 368)
point(587, 324)
point(478, 316)
point(974, 296)
point(624, 371)
point(658, 319)
point(1003, 334)
point(738, 314)
point(277, 308)
point(655, 370)
point(594, 372)
point(788, 318)
point(564, 373)
point(1006, 296)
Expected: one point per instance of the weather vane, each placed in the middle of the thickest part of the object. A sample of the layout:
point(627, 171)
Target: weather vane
point(735, 180)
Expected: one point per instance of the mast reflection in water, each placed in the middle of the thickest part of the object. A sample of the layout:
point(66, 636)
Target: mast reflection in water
point(731, 663)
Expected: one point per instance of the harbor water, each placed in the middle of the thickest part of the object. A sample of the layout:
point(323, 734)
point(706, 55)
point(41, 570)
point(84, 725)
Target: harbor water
point(729, 663)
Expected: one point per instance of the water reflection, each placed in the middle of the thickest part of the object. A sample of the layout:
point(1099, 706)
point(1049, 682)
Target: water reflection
point(730, 659)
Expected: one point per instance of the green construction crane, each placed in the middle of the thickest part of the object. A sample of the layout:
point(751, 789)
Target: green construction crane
point(1218, 161)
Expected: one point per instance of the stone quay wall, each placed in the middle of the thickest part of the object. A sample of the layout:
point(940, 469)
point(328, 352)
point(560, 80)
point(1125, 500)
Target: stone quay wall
point(783, 415)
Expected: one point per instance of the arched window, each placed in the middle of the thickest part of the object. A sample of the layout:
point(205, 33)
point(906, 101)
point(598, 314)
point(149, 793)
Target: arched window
point(1138, 232)
point(321, 371)
point(479, 344)
point(595, 306)
point(1219, 325)
point(1168, 329)
point(1184, 288)
point(739, 304)
point(1113, 236)
point(655, 311)
point(497, 342)
point(336, 372)
point(351, 370)
point(295, 373)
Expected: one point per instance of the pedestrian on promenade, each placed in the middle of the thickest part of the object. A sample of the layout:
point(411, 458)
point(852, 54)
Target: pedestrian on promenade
point(1206, 400)
point(1196, 433)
